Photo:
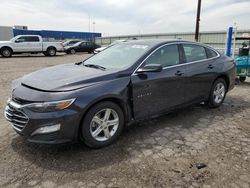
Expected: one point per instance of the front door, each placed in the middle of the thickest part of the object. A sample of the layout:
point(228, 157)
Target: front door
point(20, 44)
point(82, 47)
point(157, 92)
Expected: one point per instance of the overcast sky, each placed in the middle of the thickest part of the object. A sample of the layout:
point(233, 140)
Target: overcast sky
point(119, 17)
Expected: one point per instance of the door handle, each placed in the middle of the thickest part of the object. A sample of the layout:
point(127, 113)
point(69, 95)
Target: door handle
point(210, 66)
point(179, 73)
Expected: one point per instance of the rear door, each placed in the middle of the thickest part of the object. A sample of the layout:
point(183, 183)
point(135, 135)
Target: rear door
point(157, 92)
point(34, 44)
point(200, 71)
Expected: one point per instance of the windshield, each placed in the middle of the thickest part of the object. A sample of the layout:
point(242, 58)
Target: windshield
point(119, 56)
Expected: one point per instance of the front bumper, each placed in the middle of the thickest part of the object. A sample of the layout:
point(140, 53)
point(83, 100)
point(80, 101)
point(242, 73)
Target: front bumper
point(29, 124)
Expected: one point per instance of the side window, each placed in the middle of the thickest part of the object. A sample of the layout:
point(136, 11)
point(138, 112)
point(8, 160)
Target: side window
point(27, 39)
point(83, 44)
point(166, 56)
point(211, 53)
point(90, 44)
point(194, 52)
point(21, 39)
point(32, 39)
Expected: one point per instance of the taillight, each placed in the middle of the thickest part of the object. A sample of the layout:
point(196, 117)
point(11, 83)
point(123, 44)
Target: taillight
point(233, 62)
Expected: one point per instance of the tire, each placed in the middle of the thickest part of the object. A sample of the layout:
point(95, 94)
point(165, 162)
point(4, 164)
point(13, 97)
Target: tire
point(97, 133)
point(242, 79)
point(6, 52)
point(51, 51)
point(72, 51)
point(217, 93)
point(90, 52)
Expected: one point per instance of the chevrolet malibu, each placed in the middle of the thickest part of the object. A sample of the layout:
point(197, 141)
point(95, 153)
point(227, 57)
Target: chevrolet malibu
point(94, 100)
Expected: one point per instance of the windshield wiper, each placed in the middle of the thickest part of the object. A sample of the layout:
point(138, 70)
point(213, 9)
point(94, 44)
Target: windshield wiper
point(78, 63)
point(95, 66)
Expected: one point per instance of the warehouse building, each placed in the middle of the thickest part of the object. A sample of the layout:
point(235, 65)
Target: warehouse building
point(216, 39)
point(7, 33)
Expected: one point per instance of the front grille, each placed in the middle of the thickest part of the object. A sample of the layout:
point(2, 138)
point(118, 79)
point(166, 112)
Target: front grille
point(17, 118)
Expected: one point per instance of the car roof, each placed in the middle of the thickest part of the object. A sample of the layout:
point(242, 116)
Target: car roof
point(28, 36)
point(158, 42)
point(154, 42)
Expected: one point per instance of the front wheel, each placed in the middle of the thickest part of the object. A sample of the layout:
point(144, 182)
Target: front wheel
point(217, 93)
point(102, 125)
point(6, 52)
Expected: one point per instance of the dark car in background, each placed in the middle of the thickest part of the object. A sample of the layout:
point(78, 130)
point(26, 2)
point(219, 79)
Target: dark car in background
point(81, 47)
point(94, 100)
point(70, 42)
point(98, 50)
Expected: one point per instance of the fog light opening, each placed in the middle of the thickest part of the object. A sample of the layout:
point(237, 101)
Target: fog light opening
point(47, 129)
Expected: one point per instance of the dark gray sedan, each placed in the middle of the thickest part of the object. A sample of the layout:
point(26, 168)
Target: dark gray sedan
point(94, 100)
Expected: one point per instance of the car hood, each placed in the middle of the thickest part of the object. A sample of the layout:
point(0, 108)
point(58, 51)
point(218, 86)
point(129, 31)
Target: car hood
point(68, 46)
point(65, 78)
point(5, 42)
point(101, 48)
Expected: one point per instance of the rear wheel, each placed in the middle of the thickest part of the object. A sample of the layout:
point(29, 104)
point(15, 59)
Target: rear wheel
point(6, 52)
point(72, 51)
point(217, 93)
point(242, 79)
point(51, 51)
point(102, 125)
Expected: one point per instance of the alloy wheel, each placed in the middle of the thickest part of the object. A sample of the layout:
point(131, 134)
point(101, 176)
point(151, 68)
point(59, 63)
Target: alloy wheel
point(219, 92)
point(72, 51)
point(52, 52)
point(104, 124)
point(6, 53)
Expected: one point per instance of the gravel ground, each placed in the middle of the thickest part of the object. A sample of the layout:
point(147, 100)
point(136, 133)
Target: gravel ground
point(161, 152)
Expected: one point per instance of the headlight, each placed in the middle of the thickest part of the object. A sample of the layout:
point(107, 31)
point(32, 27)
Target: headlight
point(50, 106)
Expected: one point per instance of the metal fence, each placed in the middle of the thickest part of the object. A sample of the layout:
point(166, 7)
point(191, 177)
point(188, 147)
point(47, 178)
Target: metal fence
point(215, 39)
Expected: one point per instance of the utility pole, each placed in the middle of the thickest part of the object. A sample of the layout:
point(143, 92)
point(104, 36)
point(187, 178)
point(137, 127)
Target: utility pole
point(93, 31)
point(197, 27)
point(89, 23)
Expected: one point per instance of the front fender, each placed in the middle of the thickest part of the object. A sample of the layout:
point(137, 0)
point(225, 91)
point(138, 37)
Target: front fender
point(113, 89)
point(6, 46)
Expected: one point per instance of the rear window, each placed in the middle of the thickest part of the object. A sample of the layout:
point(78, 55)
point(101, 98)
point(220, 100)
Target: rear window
point(32, 39)
point(194, 52)
point(211, 53)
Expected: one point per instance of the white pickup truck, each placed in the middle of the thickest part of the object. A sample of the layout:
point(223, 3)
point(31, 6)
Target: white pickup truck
point(29, 44)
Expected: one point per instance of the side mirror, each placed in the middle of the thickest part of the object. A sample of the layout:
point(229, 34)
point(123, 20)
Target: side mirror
point(150, 68)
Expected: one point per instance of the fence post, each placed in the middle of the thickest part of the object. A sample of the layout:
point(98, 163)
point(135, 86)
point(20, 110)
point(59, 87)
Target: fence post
point(229, 41)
